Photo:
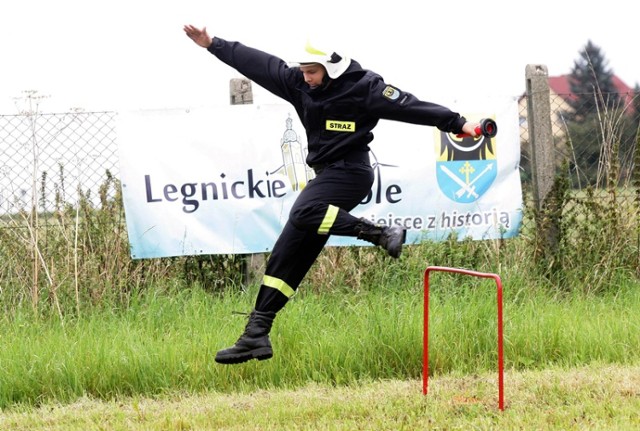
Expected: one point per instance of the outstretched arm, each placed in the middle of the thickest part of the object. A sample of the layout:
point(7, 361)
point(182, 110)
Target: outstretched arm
point(199, 36)
point(264, 69)
point(391, 103)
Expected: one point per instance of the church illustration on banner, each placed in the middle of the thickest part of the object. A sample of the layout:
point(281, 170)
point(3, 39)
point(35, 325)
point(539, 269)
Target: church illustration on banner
point(294, 157)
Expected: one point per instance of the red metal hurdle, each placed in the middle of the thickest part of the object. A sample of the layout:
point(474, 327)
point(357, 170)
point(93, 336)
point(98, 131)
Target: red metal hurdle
point(425, 344)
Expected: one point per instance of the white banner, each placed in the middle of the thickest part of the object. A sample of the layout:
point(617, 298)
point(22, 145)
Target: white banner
point(221, 180)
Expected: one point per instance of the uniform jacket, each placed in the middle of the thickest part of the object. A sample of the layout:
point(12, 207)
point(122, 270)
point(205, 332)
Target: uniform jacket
point(339, 116)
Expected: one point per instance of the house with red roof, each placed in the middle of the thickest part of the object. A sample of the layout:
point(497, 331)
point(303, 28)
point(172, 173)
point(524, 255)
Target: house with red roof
point(560, 86)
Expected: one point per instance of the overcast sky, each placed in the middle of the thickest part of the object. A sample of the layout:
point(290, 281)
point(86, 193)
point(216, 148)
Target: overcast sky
point(120, 55)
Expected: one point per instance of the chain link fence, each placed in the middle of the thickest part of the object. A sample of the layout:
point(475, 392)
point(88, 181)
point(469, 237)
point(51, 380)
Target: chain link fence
point(47, 159)
point(52, 162)
point(595, 145)
point(595, 150)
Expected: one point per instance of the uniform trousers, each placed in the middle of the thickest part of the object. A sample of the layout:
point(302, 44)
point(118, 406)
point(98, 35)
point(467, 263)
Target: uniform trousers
point(321, 209)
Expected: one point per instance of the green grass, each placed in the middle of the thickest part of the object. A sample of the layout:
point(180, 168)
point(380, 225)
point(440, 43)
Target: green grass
point(596, 397)
point(164, 343)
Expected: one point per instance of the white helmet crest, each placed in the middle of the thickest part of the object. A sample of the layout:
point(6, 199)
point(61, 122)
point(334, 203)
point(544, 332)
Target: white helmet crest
point(335, 64)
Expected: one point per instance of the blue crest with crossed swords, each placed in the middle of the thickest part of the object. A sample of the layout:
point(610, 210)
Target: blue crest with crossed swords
point(465, 167)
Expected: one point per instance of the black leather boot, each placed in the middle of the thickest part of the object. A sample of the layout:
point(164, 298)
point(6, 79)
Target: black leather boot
point(254, 343)
point(390, 238)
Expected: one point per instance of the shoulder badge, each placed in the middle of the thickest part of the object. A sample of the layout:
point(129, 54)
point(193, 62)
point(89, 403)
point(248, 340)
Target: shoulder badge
point(391, 93)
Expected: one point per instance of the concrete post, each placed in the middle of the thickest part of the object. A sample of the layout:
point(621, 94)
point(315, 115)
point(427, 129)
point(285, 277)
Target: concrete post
point(540, 135)
point(548, 205)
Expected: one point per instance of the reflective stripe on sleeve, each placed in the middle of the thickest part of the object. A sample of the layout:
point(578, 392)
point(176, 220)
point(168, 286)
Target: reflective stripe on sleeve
point(278, 284)
point(329, 219)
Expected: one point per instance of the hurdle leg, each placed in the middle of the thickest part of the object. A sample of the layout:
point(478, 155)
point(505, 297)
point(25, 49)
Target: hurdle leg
point(425, 333)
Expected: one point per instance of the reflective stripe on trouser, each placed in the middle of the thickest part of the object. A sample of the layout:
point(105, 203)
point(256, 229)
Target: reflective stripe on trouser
point(321, 209)
point(328, 220)
point(278, 284)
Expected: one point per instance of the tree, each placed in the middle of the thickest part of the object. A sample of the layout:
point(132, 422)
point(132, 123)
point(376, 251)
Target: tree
point(598, 122)
point(591, 83)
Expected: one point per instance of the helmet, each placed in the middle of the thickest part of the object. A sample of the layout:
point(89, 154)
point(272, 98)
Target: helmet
point(335, 64)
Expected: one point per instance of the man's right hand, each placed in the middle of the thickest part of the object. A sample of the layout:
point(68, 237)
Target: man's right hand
point(200, 37)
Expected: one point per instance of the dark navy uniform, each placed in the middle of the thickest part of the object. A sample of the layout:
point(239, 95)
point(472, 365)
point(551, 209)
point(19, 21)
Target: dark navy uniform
point(338, 118)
